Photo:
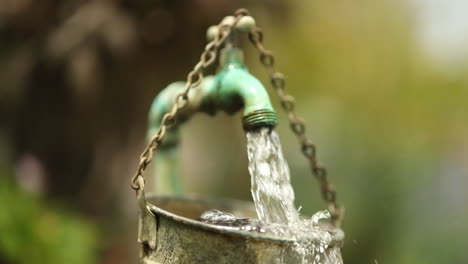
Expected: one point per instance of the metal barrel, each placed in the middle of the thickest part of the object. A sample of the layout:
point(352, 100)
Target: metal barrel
point(181, 238)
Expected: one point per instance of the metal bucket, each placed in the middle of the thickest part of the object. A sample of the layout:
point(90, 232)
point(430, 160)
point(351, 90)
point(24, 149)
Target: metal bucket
point(181, 238)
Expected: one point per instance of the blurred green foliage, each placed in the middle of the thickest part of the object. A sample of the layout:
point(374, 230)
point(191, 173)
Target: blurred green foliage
point(33, 232)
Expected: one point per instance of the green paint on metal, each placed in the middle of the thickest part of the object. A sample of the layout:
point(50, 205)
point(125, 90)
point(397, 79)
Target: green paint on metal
point(167, 171)
point(233, 88)
point(238, 88)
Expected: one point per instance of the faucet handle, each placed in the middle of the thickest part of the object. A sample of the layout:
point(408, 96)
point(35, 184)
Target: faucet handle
point(245, 25)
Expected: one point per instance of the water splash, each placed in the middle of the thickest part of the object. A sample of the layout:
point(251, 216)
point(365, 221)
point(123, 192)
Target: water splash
point(220, 218)
point(273, 196)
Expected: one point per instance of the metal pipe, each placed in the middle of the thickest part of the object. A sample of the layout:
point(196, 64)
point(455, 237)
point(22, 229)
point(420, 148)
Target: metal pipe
point(166, 161)
point(232, 89)
point(240, 89)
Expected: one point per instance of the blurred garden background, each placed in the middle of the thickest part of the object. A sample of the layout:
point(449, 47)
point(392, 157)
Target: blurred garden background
point(382, 86)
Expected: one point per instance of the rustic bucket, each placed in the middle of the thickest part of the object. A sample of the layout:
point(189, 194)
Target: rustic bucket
point(181, 238)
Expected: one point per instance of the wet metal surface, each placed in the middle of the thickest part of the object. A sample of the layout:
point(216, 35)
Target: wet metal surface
point(181, 238)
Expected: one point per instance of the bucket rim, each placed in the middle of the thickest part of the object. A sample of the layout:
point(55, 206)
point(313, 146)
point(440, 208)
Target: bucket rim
point(337, 234)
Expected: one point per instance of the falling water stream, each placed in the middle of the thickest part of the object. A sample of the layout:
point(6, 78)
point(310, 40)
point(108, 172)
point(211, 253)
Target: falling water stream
point(271, 188)
point(273, 196)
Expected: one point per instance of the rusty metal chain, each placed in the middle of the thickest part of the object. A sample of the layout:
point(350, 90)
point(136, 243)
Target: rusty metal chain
point(277, 79)
point(194, 79)
point(309, 149)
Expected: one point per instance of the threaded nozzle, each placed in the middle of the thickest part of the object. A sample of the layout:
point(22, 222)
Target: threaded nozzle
point(259, 118)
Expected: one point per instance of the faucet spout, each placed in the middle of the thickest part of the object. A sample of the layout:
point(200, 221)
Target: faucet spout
point(240, 89)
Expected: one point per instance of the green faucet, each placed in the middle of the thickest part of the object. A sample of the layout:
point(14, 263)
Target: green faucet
point(230, 90)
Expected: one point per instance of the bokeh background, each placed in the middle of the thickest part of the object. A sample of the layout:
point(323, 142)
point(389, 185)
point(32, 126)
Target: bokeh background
point(382, 86)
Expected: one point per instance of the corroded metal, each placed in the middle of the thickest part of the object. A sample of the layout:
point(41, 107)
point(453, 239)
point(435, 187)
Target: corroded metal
point(147, 221)
point(181, 238)
point(259, 118)
point(233, 88)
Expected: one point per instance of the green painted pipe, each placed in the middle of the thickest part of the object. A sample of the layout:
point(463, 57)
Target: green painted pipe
point(232, 89)
point(238, 88)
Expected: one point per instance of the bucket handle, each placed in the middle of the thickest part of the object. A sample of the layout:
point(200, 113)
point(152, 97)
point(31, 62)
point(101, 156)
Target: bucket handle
point(147, 223)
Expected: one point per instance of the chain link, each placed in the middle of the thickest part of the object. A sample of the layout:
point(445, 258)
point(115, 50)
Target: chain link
point(194, 79)
point(308, 148)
